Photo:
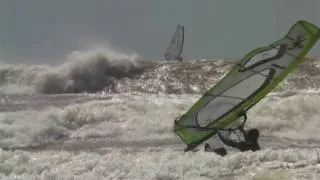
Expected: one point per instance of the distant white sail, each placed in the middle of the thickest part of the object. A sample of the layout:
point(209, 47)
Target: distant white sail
point(173, 52)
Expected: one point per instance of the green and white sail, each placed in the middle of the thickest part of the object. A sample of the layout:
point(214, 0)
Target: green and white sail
point(245, 85)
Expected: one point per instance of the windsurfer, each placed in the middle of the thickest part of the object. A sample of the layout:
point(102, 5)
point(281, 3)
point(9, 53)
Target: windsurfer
point(174, 50)
point(245, 85)
point(250, 141)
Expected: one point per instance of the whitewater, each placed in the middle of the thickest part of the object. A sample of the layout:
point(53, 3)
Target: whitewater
point(108, 115)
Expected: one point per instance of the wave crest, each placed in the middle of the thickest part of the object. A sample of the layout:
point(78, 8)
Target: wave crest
point(88, 71)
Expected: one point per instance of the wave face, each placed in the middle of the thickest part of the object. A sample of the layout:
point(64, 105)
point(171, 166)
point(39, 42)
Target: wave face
point(96, 71)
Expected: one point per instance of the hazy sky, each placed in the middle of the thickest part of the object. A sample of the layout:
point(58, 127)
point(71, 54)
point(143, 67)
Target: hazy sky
point(47, 30)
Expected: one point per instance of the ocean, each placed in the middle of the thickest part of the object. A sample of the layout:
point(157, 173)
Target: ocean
point(101, 115)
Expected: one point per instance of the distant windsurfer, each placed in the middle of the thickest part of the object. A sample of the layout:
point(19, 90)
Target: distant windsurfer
point(174, 50)
point(250, 141)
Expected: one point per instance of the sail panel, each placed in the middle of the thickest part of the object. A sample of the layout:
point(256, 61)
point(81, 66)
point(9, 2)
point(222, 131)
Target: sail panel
point(231, 98)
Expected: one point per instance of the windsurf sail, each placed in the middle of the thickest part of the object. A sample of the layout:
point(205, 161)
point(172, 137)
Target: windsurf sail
point(174, 50)
point(245, 85)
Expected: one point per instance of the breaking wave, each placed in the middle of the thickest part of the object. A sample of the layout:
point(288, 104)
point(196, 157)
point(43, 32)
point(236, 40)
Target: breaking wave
point(88, 71)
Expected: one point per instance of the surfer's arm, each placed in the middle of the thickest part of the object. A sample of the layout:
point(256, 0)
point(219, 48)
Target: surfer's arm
point(227, 141)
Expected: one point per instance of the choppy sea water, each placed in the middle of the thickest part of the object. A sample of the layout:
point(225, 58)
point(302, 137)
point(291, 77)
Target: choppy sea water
point(102, 116)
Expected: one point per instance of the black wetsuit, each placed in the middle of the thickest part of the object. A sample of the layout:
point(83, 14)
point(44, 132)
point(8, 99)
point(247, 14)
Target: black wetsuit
point(250, 142)
point(246, 145)
point(221, 151)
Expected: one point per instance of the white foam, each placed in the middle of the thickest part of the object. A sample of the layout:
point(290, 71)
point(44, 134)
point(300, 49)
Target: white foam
point(124, 117)
point(165, 164)
point(143, 117)
point(292, 117)
point(147, 118)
